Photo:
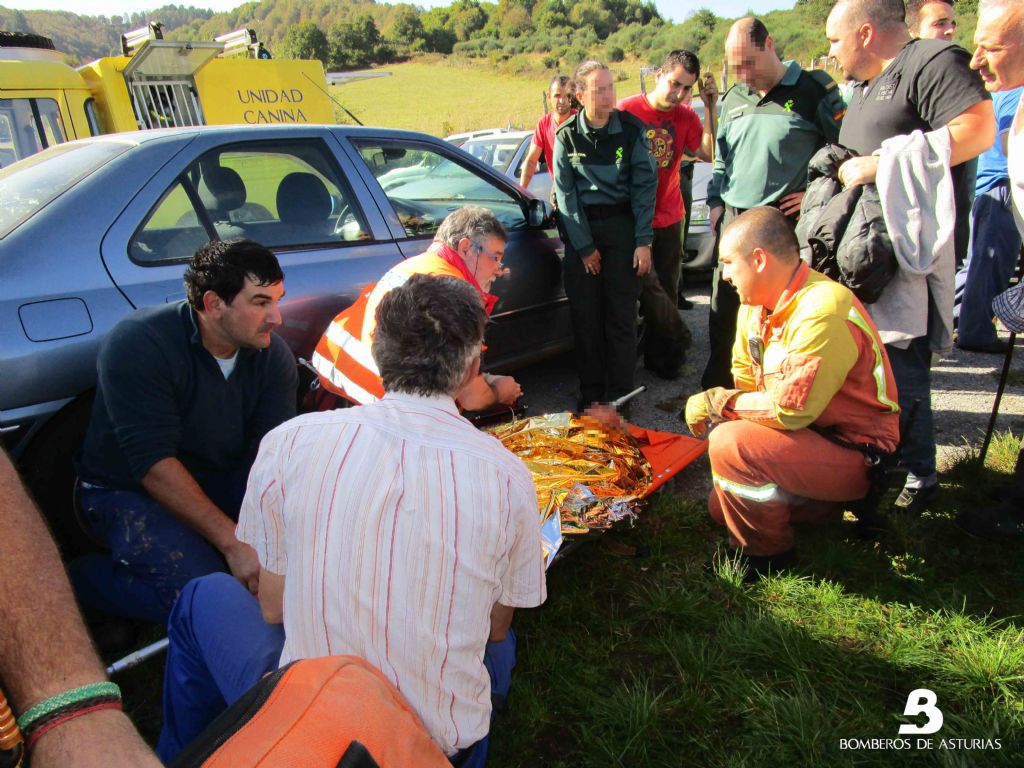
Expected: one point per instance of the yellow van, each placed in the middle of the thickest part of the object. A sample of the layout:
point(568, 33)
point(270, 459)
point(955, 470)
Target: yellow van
point(155, 83)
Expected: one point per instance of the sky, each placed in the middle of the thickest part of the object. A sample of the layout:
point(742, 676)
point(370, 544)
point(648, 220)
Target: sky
point(674, 10)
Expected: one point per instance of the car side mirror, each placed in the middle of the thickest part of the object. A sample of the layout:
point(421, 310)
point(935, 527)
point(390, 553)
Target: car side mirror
point(538, 213)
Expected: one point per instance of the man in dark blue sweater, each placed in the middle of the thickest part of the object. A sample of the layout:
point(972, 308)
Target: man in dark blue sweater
point(184, 395)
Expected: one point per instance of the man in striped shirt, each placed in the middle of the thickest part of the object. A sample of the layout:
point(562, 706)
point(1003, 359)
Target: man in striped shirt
point(396, 532)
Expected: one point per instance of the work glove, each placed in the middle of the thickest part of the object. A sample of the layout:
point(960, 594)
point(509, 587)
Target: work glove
point(707, 408)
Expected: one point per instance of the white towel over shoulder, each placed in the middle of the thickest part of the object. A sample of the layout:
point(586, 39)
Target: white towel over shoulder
point(916, 190)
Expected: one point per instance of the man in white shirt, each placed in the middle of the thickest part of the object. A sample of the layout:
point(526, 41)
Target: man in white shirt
point(394, 531)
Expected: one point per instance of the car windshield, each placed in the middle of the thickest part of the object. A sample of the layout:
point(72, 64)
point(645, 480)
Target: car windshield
point(497, 151)
point(28, 186)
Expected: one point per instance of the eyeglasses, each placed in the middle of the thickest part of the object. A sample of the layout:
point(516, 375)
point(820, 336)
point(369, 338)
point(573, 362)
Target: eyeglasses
point(495, 258)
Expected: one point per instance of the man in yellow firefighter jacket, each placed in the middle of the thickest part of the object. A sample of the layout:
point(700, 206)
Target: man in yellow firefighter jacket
point(814, 389)
point(469, 245)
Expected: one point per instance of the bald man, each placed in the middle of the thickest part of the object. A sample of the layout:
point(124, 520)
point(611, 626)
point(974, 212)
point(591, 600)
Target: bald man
point(814, 394)
point(774, 118)
point(906, 85)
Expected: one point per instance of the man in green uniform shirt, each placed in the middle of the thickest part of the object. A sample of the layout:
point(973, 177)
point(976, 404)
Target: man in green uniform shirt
point(774, 118)
point(605, 183)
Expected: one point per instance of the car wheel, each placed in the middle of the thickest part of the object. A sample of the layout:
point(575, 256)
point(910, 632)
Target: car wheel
point(48, 468)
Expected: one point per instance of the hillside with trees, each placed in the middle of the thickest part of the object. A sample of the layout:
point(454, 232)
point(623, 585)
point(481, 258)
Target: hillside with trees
point(514, 36)
point(84, 38)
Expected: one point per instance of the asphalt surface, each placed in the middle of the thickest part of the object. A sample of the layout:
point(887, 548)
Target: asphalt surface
point(963, 390)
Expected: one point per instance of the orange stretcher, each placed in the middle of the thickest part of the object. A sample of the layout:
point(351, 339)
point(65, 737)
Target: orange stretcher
point(668, 453)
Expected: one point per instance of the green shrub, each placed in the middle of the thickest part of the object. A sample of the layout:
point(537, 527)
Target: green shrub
point(575, 56)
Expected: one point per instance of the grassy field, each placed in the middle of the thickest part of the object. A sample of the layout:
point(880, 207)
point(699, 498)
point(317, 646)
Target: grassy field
point(445, 97)
point(655, 662)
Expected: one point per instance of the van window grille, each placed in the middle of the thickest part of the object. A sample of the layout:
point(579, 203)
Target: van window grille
point(165, 104)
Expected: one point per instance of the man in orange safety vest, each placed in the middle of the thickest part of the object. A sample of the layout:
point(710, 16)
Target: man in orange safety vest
point(469, 245)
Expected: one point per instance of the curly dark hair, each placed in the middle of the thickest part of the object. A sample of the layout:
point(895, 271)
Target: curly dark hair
point(221, 266)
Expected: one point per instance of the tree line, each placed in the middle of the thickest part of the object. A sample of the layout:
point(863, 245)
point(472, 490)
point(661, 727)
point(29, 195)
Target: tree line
point(517, 35)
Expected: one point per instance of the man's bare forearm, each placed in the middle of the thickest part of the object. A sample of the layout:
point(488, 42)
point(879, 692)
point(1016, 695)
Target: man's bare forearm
point(971, 132)
point(530, 165)
point(173, 486)
point(707, 142)
point(501, 621)
point(44, 648)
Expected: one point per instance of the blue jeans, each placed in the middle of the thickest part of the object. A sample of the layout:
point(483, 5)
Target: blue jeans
point(911, 367)
point(991, 260)
point(152, 556)
point(220, 646)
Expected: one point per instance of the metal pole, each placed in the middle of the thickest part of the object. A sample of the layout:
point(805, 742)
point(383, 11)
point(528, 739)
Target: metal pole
point(141, 655)
point(628, 396)
point(999, 397)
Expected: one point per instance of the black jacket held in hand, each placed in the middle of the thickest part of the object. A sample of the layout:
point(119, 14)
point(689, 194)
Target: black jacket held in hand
point(844, 229)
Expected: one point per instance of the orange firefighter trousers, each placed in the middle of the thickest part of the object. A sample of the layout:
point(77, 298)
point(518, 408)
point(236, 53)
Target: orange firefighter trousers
point(765, 479)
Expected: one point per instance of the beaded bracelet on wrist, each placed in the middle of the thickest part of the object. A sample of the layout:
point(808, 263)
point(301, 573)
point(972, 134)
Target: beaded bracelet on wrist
point(68, 701)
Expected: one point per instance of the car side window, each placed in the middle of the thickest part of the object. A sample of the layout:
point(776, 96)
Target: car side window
point(280, 194)
point(425, 185)
point(172, 232)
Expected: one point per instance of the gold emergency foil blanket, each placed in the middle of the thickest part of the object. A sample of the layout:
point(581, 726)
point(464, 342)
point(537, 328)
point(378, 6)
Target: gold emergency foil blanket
point(590, 475)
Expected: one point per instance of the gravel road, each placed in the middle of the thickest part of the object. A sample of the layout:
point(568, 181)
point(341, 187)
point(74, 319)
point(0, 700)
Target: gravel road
point(963, 389)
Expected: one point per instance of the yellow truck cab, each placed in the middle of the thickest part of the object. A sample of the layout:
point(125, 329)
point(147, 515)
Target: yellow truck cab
point(155, 83)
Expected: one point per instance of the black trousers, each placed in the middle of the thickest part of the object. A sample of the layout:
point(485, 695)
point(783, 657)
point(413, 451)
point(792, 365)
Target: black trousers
point(686, 189)
point(603, 310)
point(666, 337)
point(725, 303)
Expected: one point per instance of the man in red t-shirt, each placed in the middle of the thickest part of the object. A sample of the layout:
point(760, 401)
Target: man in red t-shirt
point(560, 95)
point(673, 130)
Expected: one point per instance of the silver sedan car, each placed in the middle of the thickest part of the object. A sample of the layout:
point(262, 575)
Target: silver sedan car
point(91, 230)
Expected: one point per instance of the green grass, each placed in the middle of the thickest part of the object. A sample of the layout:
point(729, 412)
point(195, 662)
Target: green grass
point(653, 662)
point(448, 96)
point(656, 662)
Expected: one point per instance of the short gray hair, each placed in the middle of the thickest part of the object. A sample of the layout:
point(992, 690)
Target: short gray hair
point(1010, 6)
point(428, 332)
point(992, 4)
point(585, 69)
point(472, 221)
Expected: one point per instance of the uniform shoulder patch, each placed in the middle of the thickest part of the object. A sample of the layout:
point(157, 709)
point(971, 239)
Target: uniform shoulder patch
point(822, 78)
point(629, 117)
point(571, 120)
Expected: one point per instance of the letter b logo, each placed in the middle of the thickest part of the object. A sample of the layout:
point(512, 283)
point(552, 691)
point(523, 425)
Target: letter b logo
point(921, 701)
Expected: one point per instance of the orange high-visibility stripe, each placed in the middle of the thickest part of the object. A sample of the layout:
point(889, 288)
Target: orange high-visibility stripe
point(343, 358)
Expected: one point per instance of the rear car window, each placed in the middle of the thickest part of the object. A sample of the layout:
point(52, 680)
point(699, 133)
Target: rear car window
point(498, 152)
point(28, 186)
point(282, 194)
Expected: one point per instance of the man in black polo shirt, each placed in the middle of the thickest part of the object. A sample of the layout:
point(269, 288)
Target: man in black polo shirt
point(774, 118)
point(605, 183)
point(906, 85)
point(185, 392)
